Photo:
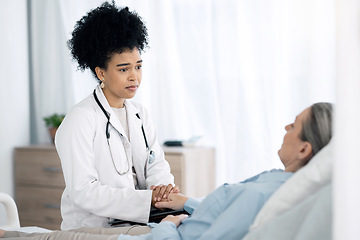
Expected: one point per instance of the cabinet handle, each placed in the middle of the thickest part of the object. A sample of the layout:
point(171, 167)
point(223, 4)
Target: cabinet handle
point(53, 206)
point(51, 169)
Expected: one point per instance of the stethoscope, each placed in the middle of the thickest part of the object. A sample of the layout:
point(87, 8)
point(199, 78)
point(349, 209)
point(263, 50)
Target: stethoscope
point(150, 153)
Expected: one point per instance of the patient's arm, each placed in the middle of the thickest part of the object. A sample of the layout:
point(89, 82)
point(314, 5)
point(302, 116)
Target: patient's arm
point(175, 219)
point(174, 201)
point(231, 222)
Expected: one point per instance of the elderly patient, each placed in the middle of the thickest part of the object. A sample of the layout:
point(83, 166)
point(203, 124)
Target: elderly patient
point(228, 212)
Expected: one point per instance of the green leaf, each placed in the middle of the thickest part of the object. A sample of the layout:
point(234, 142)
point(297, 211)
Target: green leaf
point(54, 120)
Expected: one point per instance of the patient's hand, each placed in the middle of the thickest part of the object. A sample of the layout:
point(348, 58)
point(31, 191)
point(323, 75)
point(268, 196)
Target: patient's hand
point(175, 219)
point(175, 201)
point(161, 192)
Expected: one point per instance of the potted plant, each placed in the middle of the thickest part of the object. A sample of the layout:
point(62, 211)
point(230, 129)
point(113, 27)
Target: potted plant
point(52, 123)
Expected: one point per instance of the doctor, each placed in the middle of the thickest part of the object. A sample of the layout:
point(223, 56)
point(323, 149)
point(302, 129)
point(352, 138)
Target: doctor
point(112, 163)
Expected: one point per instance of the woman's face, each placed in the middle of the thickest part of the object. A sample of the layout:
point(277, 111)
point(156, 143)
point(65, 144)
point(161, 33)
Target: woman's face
point(291, 150)
point(122, 77)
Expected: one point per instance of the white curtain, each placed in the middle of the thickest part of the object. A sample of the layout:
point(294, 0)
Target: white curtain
point(234, 72)
point(14, 94)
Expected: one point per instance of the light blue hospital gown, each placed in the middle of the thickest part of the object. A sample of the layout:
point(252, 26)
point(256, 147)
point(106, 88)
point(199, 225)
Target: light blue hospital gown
point(226, 213)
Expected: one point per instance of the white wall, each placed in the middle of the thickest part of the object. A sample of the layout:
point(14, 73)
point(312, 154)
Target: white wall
point(346, 194)
point(14, 93)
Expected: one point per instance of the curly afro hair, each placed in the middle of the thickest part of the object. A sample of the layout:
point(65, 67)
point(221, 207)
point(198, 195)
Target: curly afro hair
point(103, 31)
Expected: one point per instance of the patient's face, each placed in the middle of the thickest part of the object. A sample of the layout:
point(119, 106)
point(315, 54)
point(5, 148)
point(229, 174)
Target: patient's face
point(292, 144)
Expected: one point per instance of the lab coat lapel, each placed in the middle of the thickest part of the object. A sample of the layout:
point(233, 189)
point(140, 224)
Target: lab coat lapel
point(115, 122)
point(138, 147)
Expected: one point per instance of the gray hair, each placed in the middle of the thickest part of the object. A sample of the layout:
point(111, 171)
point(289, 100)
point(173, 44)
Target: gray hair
point(317, 128)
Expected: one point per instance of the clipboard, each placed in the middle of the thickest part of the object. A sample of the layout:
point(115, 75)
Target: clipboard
point(156, 215)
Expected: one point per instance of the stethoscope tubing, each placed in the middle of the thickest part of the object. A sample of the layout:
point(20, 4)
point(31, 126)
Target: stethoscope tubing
point(151, 156)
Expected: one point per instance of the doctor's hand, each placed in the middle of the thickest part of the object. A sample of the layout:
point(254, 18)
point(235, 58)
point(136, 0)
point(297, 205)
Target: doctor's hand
point(175, 219)
point(161, 192)
point(175, 201)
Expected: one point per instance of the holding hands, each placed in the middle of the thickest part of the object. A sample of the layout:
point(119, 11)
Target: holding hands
point(161, 192)
point(175, 201)
point(169, 197)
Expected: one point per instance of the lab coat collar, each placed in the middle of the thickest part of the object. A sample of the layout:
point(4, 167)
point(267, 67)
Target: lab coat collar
point(134, 123)
point(131, 111)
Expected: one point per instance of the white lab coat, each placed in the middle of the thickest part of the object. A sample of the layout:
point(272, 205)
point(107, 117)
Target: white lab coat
point(94, 190)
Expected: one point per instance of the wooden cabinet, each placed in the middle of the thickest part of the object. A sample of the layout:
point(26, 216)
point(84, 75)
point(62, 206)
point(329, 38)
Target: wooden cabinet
point(39, 181)
point(193, 169)
point(39, 184)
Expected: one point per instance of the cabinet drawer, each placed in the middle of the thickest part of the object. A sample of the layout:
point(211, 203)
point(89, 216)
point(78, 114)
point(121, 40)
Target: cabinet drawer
point(178, 180)
point(39, 205)
point(175, 162)
point(38, 168)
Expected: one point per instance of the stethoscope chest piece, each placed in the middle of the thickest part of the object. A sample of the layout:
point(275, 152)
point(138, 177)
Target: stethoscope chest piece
point(151, 156)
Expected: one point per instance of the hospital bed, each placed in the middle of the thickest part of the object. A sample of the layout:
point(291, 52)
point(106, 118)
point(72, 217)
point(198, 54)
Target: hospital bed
point(12, 216)
point(12, 220)
point(299, 209)
point(302, 207)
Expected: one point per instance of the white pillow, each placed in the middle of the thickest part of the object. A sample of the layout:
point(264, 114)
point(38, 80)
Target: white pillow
point(304, 182)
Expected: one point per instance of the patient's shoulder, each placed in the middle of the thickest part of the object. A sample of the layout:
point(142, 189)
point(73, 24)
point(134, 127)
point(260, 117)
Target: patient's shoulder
point(267, 182)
